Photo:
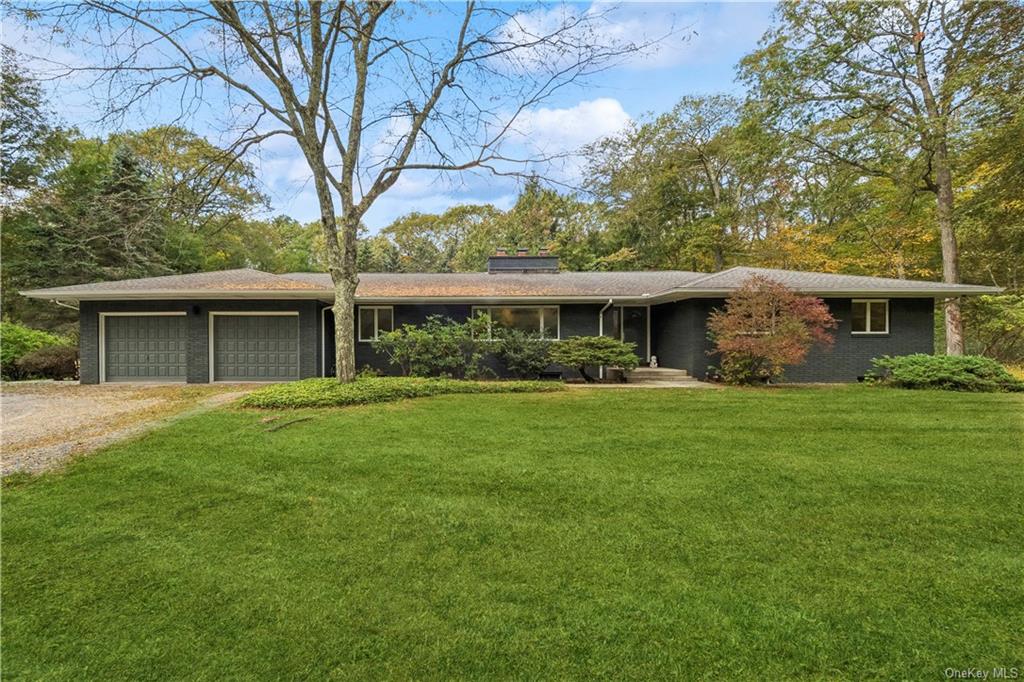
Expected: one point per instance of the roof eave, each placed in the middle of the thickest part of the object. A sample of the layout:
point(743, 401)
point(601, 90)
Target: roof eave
point(480, 300)
point(321, 295)
point(674, 294)
point(686, 292)
point(164, 295)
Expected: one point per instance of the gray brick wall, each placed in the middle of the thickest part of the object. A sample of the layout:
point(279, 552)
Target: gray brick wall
point(679, 333)
point(198, 330)
point(911, 330)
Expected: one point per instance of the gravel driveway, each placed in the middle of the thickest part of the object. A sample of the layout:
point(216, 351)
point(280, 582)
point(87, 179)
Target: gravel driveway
point(43, 424)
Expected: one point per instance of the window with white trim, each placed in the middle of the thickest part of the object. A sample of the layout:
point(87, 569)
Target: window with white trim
point(870, 316)
point(540, 320)
point(374, 321)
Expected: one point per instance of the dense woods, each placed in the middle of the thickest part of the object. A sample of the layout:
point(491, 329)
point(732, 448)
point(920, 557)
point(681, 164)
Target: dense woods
point(883, 140)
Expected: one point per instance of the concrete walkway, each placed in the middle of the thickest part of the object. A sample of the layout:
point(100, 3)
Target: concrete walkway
point(691, 383)
point(654, 377)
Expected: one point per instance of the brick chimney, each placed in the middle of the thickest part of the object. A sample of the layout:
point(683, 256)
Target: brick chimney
point(522, 262)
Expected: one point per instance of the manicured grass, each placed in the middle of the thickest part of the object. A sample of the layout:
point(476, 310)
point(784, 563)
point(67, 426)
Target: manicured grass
point(647, 534)
point(367, 390)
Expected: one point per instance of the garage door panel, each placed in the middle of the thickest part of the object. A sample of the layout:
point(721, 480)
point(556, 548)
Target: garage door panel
point(256, 347)
point(145, 348)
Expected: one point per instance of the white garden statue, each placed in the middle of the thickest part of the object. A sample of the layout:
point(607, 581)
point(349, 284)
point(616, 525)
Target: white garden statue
point(654, 361)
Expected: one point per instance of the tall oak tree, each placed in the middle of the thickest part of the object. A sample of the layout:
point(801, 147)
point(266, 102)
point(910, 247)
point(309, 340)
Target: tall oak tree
point(890, 88)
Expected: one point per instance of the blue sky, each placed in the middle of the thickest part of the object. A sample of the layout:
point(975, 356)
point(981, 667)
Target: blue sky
point(699, 57)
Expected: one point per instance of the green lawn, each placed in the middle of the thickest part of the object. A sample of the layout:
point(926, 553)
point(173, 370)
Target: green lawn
point(817, 533)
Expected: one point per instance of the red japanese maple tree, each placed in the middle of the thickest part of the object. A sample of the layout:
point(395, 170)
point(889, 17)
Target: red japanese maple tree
point(766, 326)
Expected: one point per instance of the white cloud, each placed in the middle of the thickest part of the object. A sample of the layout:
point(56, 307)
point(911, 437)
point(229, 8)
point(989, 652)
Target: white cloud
point(554, 131)
point(389, 139)
point(670, 34)
point(660, 33)
point(542, 132)
point(704, 34)
point(664, 31)
point(554, 137)
point(416, 184)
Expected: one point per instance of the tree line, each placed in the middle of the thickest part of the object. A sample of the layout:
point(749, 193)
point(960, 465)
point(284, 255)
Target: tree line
point(138, 204)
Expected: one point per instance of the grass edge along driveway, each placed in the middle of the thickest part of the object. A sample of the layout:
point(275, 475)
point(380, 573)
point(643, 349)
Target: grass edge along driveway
point(816, 532)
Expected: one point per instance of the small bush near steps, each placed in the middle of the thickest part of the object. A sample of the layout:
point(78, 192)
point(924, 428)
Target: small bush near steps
point(947, 372)
point(580, 352)
point(365, 390)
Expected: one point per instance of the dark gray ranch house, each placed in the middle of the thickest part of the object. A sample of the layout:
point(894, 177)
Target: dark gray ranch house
point(247, 325)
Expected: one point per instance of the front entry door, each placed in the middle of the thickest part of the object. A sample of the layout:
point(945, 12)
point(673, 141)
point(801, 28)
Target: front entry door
point(634, 329)
point(628, 323)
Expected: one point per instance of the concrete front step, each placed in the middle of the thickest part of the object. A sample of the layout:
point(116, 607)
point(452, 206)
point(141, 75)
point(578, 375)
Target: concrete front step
point(658, 372)
point(667, 382)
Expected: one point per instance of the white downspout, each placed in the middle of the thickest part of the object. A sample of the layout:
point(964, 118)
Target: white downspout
point(600, 331)
point(63, 304)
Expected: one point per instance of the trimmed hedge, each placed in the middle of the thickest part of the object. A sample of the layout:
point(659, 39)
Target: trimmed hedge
point(365, 390)
point(945, 372)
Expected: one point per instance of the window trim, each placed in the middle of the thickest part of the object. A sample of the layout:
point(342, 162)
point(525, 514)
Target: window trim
point(376, 321)
point(541, 307)
point(870, 330)
point(622, 327)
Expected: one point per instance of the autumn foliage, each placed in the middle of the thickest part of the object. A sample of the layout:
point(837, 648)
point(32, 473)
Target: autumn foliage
point(766, 326)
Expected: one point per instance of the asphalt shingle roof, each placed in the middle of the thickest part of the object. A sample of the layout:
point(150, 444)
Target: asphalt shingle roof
point(244, 279)
point(823, 282)
point(482, 284)
point(665, 284)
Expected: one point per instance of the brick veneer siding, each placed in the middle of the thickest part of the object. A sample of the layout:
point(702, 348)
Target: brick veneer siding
point(678, 335)
point(679, 339)
point(198, 358)
point(911, 330)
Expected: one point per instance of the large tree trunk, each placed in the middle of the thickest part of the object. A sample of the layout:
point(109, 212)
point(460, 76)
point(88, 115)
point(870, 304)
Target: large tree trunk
point(950, 252)
point(717, 250)
point(344, 331)
point(341, 263)
point(582, 369)
point(718, 254)
point(346, 279)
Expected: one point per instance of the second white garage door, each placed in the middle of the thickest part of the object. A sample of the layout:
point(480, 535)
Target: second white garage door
point(255, 347)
